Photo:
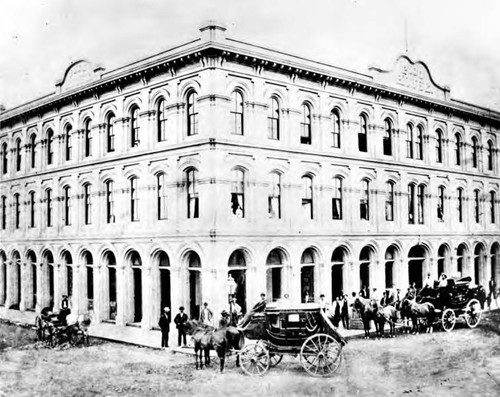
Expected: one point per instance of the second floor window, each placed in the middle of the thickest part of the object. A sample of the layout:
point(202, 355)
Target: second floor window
point(336, 125)
point(161, 190)
point(5, 158)
point(87, 136)
point(110, 202)
point(439, 146)
point(32, 204)
point(420, 203)
point(411, 204)
point(237, 113)
point(134, 200)
point(440, 204)
point(490, 156)
point(273, 120)
point(161, 120)
point(477, 212)
point(274, 196)
point(192, 194)
point(134, 127)
point(305, 125)
point(69, 143)
point(474, 152)
point(238, 194)
point(87, 202)
point(19, 152)
point(33, 150)
point(419, 143)
point(110, 132)
point(363, 134)
point(307, 197)
point(67, 206)
point(17, 209)
point(389, 201)
point(50, 147)
point(458, 149)
point(492, 207)
point(48, 202)
point(337, 198)
point(387, 141)
point(192, 114)
point(4, 212)
point(364, 201)
point(409, 141)
point(460, 204)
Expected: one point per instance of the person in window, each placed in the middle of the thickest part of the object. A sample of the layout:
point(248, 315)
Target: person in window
point(164, 325)
point(180, 322)
point(64, 309)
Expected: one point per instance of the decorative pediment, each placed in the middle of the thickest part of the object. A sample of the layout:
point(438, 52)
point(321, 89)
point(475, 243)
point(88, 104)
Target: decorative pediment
point(411, 76)
point(78, 74)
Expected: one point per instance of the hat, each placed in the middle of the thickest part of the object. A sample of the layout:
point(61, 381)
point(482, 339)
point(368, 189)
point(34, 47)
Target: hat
point(322, 296)
point(166, 307)
point(181, 308)
point(224, 313)
point(205, 304)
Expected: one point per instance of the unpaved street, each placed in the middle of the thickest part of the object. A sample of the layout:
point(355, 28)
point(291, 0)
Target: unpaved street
point(461, 363)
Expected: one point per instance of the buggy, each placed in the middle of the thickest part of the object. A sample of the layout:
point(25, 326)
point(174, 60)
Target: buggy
point(302, 330)
point(53, 330)
point(458, 299)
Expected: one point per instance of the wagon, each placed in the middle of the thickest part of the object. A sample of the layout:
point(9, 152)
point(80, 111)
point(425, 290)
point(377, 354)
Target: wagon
point(302, 330)
point(459, 299)
point(53, 332)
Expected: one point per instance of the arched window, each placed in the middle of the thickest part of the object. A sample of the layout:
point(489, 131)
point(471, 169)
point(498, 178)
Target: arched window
point(67, 206)
point(110, 132)
point(273, 120)
point(5, 159)
point(134, 200)
point(192, 193)
point(87, 203)
point(161, 191)
point(364, 201)
point(439, 146)
point(389, 201)
point(336, 128)
point(460, 204)
point(440, 204)
point(274, 196)
point(409, 141)
point(420, 203)
point(419, 143)
point(110, 202)
point(161, 120)
point(32, 204)
point(33, 150)
point(307, 196)
point(490, 155)
point(4, 212)
point(305, 125)
point(458, 148)
point(69, 143)
point(237, 113)
point(134, 126)
point(337, 198)
point(363, 133)
point(192, 113)
point(238, 193)
point(411, 204)
point(19, 151)
point(474, 152)
point(48, 201)
point(492, 206)
point(477, 213)
point(17, 210)
point(87, 136)
point(50, 147)
point(387, 141)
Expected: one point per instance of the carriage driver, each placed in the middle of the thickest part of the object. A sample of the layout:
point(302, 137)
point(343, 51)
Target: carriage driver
point(64, 309)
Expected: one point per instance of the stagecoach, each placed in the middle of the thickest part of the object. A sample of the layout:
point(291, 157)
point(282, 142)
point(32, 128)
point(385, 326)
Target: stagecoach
point(458, 299)
point(302, 330)
point(51, 330)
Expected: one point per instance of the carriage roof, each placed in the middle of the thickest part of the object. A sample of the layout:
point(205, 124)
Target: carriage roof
point(292, 308)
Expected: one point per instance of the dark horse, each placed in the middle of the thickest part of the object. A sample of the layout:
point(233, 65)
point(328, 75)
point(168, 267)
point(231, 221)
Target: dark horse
point(368, 310)
point(387, 314)
point(221, 340)
point(419, 310)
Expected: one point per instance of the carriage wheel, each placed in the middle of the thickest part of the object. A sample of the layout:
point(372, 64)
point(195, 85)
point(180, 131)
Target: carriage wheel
point(275, 359)
point(448, 320)
point(321, 355)
point(254, 359)
point(473, 313)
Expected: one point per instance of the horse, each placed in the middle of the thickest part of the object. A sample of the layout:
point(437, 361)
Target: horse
point(201, 335)
point(419, 310)
point(387, 314)
point(368, 311)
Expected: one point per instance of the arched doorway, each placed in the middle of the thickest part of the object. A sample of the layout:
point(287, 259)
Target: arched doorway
point(3, 278)
point(307, 268)
point(31, 268)
point(274, 274)
point(461, 258)
point(416, 265)
point(366, 258)
point(110, 301)
point(67, 263)
point(164, 273)
point(495, 258)
point(48, 262)
point(16, 284)
point(390, 261)
point(195, 287)
point(479, 259)
point(339, 257)
point(88, 266)
point(237, 270)
point(136, 264)
point(443, 259)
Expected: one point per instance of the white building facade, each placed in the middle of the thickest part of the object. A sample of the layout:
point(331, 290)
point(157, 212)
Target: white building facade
point(149, 185)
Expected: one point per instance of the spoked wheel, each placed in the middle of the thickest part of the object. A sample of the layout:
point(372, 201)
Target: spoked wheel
point(321, 355)
point(275, 359)
point(254, 359)
point(473, 313)
point(448, 320)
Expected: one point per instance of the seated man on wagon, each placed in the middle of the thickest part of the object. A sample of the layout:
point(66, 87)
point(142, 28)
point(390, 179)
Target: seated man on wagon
point(259, 307)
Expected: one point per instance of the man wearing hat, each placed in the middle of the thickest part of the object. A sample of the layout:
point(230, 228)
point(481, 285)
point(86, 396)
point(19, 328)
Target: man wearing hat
point(206, 315)
point(180, 322)
point(224, 319)
point(164, 324)
point(64, 309)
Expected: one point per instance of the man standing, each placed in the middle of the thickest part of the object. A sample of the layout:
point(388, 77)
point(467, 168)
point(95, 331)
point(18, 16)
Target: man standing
point(322, 303)
point(235, 311)
point(492, 292)
point(429, 282)
point(344, 312)
point(206, 315)
point(64, 309)
point(164, 324)
point(180, 322)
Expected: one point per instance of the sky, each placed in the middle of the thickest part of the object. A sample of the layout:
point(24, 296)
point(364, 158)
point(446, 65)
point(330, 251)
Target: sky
point(459, 40)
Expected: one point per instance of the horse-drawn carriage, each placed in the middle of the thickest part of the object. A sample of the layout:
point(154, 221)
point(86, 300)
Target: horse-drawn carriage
point(302, 330)
point(457, 299)
point(54, 330)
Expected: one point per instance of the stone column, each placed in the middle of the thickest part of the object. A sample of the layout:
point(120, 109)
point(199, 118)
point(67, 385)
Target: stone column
point(149, 317)
point(123, 283)
point(294, 288)
point(9, 294)
point(25, 286)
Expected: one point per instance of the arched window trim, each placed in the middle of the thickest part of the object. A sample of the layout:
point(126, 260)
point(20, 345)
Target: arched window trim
point(87, 137)
point(336, 128)
point(110, 132)
point(363, 133)
point(439, 145)
point(134, 199)
point(237, 113)
point(134, 126)
point(192, 193)
point(192, 113)
point(19, 151)
point(387, 140)
point(161, 196)
point(389, 201)
point(161, 120)
point(273, 119)
point(306, 125)
point(337, 198)
point(69, 142)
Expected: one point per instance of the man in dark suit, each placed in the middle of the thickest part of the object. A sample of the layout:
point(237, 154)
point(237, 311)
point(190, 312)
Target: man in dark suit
point(180, 322)
point(344, 312)
point(164, 324)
